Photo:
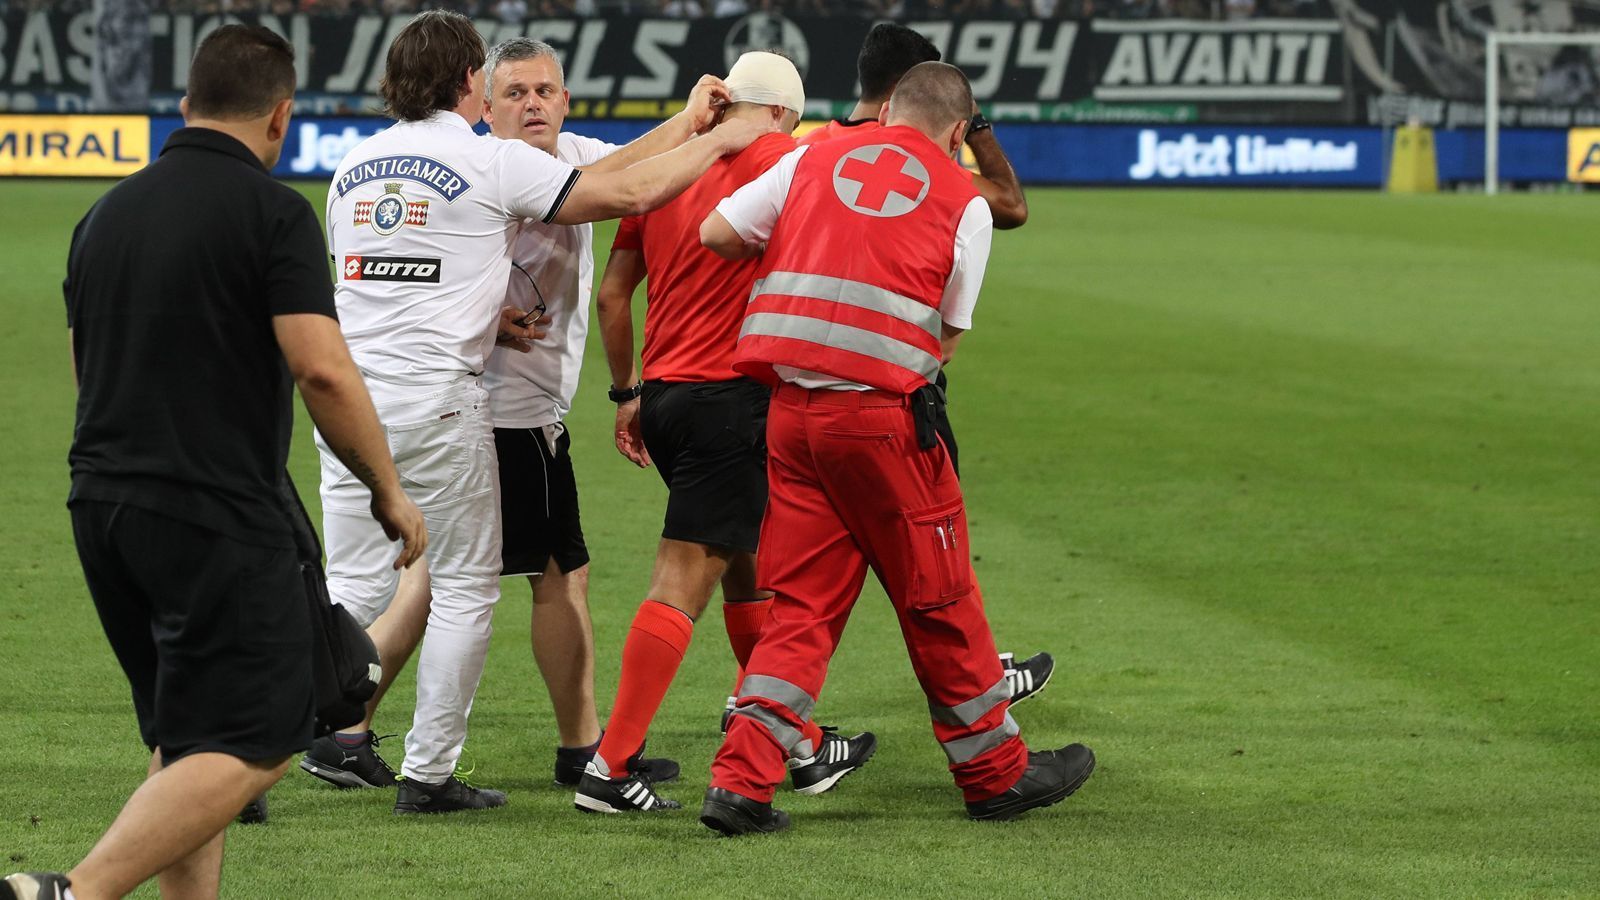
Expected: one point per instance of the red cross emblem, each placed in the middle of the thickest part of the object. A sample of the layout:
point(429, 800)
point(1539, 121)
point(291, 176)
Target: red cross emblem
point(880, 180)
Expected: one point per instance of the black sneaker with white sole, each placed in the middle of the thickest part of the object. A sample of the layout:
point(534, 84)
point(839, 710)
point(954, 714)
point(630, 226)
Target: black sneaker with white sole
point(254, 812)
point(1051, 776)
point(1029, 676)
point(571, 761)
point(599, 794)
point(450, 795)
point(837, 757)
point(732, 814)
point(349, 767)
point(34, 886)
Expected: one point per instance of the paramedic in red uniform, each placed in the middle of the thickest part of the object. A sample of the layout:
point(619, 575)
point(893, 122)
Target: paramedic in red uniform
point(873, 249)
point(702, 425)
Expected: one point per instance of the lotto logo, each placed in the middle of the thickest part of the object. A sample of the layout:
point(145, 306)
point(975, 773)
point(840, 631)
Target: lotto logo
point(391, 268)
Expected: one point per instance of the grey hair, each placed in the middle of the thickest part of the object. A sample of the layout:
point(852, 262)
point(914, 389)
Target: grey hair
point(515, 50)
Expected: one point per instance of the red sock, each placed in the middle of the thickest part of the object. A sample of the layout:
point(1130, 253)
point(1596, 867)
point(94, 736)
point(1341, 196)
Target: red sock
point(650, 659)
point(813, 733)
point(744, 620)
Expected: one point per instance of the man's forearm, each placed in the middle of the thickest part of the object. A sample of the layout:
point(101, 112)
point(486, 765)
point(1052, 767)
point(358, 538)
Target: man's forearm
point(666, 175)
point(657, 140)
point(641, 187)
point(616, 334)
point(998, 181)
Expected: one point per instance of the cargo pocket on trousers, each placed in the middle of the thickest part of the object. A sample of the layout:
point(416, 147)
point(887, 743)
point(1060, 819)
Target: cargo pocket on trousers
point(430, 455)
point(943, 571)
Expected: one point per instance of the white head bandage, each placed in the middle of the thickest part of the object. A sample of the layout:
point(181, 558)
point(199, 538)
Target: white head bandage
point(767, 79)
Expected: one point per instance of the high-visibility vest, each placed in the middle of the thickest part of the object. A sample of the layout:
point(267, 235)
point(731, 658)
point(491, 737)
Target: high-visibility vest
point(851, 280)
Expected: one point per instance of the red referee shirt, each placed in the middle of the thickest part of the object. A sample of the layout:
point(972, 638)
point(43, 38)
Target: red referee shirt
point(838, 128)
point(696, 298)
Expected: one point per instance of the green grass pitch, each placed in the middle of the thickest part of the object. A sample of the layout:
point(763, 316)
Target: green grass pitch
point(1300, 488)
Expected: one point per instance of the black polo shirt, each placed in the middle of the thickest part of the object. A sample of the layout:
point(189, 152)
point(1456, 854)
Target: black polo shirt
point(174, 276)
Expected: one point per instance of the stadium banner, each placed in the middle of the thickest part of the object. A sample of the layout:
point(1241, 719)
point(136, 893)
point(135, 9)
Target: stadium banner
point(73, 145)
point(1042, 153)
point(1583, 155)
point(1157, 72)
point(1373, 62)
point(1422, 61)
point(1269, 155)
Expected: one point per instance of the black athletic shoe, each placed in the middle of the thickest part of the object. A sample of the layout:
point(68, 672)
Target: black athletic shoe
point(836, 758)
point(1029, 676)
point(1051, 776)
point(732, 814)
point(254, 812)
point(727, 712)
point(570, 763)
point(451, 795)
point(34, 886)
point(349, 767)
point(599, 794)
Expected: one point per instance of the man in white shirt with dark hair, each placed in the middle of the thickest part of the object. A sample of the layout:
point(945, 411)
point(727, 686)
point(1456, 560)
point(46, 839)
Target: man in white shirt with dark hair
point(421, 222)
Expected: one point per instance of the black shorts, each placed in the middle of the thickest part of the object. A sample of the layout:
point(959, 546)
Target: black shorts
point(538, 503)
point(214, 634)
point(709, 442)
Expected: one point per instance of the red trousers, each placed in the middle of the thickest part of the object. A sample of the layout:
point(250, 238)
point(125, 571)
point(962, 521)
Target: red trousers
point(850, 489)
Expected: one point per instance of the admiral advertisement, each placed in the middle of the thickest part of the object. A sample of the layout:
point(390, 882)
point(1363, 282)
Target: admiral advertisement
point(73, 145)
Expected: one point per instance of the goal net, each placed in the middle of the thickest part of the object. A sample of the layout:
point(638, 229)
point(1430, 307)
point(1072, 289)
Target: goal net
point(1552, 63)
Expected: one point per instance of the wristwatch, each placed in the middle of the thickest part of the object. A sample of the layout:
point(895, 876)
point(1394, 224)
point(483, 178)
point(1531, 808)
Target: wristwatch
point(977, 124)
point(623, 395)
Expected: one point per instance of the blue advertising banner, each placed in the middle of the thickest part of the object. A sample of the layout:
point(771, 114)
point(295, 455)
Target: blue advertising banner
point(1043, 153)
point(315, 146)
point(1526, 154)
point(1076, 154)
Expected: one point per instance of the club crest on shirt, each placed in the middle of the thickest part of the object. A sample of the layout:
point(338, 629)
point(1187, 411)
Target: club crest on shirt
point(392, 211)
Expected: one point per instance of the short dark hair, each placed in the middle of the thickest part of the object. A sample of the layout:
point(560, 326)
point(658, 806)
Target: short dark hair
point(888, 53)
point(518, 49)
point(240, 72)
point(932, 94)
point(426, 64)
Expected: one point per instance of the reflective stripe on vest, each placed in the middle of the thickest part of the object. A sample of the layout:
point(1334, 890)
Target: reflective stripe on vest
point(967, 749)
point(842, 337)
point(852, 293)
point(974, 709)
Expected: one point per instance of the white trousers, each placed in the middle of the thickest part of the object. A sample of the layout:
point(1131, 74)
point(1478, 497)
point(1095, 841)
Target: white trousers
point(442, 439)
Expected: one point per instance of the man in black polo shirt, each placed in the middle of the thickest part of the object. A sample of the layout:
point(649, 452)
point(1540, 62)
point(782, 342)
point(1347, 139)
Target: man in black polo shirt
point(195, 289)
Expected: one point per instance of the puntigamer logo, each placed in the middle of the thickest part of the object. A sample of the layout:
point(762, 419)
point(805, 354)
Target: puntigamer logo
point(391, 268)
point(430, 172)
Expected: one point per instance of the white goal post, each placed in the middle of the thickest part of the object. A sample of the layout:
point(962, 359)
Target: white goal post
point(1494, 40)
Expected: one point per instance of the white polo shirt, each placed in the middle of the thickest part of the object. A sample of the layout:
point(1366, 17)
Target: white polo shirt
point(753, 212)
point(421, 219)
point(535, 389)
